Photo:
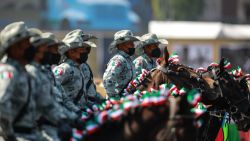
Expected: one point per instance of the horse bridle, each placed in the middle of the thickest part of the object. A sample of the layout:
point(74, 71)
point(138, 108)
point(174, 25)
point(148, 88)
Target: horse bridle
point(233, 109)
point(166, 70)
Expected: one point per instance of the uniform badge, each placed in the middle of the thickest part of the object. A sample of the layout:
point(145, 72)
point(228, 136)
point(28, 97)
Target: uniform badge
point(58, 71)
point(139, 63)
point(6, 75)
point(116, 64)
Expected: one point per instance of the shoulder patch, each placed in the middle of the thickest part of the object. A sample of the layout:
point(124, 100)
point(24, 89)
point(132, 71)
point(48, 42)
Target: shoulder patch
point(58, 71)
point(116, 63)
point(6, 75)
point(139, 62)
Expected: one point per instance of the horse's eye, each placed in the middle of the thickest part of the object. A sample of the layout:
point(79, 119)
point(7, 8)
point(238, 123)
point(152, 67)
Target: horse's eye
point(181, 69)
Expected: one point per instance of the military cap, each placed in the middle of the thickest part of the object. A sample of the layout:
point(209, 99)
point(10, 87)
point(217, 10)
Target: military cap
point(122, 36)
point(72, 42)
point(12, 34)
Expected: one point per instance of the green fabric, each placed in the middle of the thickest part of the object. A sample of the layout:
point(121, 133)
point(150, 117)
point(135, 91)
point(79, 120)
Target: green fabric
point(230, 132)
point(233, 133)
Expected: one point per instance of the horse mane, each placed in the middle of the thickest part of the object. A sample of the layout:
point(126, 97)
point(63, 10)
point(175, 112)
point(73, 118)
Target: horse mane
point(137, 124)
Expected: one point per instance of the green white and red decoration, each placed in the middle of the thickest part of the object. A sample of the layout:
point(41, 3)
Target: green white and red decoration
point(135, 83)
point(247, 77)
point(227, 64)
point(237, 72)
point(199, 109)
point(174, 58)
point(6, 75)
point(193, 97)
point(201, 69)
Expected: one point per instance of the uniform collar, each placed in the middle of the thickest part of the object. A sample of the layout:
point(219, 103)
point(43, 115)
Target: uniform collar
point(72, 63)
point(35, 64)
point(123, 54)
point(147, 58)
point(13, 62)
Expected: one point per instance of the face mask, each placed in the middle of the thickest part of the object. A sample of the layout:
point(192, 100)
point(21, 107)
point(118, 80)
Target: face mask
point(83, 58)
point(131, 51)
point(55, 58)
point(46, 58)
point(50, 58)
point(156, 53)
point(29, 53)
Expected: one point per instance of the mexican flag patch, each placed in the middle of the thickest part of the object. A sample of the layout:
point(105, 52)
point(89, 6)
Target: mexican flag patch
point(58, 71)
point(6, 75)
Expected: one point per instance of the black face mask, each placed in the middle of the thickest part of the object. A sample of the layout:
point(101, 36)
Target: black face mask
point(131, 51)
point(83, 58)
point(156, 53)
point(29, 53)
point(46, 58)
point(55, 58)
point(50, 58)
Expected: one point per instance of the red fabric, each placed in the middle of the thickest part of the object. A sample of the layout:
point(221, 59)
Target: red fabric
point(245, 136)
point(220, 136)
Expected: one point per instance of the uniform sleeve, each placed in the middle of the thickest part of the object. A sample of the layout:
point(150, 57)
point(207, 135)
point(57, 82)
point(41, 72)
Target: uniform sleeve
point(61, 74)
point(6, 95)
point(93, 94)
point(68, 103)
point(90, 87)
point(53, 112)
point(50, 109)
point(63, 99)
point(138, 63)
point(111, 78)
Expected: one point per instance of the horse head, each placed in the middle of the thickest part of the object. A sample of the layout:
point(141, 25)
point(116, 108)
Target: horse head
point(168, 71)
point(234, 93)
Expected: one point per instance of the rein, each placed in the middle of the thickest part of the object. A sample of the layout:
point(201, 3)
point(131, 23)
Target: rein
point(168, 71)
point(233, 105)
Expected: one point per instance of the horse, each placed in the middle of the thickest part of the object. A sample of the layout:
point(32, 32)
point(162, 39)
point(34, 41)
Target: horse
point(150, 123)
point(233, 99)
point(137, 124)
point(181, 76)
point(180, 124)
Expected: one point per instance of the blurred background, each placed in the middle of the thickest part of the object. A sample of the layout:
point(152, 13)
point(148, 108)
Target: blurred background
point(200, 31)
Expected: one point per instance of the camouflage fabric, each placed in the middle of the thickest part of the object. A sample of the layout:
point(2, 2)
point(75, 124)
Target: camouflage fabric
point(11, 34)
point(60, 95)
point(70, 77)
point(43, 95)
point(120, 71)
point(121, 36)
point(17, 92)
point(92, 94)
point(144, 62)
point(46, 106)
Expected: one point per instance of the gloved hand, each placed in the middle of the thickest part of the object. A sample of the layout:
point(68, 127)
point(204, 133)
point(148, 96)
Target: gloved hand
point(64, 130)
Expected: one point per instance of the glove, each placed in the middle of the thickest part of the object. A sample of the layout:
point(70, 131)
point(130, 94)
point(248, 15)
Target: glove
point(64, 131)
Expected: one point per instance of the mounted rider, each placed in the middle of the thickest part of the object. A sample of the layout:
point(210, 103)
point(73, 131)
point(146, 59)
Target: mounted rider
point(17, 104)
point(68, 73)
point(120, 69)
point(151, 51)
point(91, 93)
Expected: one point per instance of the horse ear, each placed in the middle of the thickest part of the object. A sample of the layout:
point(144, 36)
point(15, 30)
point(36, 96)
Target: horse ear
point(221, 65)
point(166, 55)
